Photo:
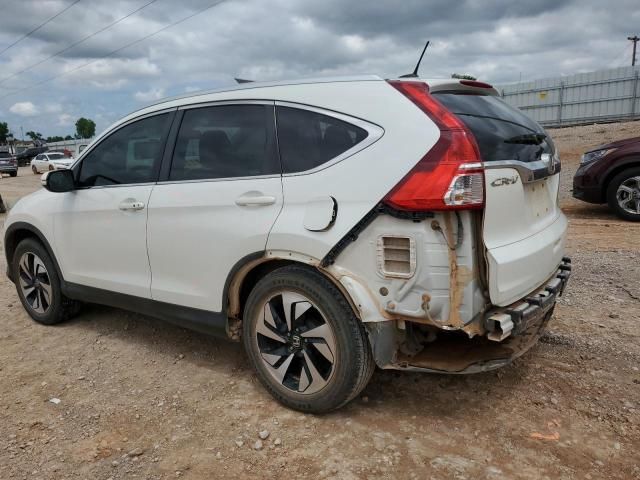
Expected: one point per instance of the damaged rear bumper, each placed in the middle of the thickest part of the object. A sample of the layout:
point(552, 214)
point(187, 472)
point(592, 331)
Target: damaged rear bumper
point(511, 331)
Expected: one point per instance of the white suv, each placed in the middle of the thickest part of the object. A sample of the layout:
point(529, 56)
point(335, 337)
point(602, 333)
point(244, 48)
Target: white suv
point(333, 225)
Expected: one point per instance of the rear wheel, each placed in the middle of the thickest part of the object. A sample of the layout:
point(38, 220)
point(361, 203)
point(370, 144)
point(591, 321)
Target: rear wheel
point(51, 168)
point(38, 284)
point(623, 194)
point(14, 174)
point(304, 341)
point(34, 169)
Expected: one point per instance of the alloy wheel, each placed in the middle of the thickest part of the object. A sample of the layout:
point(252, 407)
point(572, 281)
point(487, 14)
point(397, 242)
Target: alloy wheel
point(296, 342)
point(628, 195)
point(35, 283)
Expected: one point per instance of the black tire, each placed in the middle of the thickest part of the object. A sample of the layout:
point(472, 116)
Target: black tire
point(353, 362)
point(60, 308)
point(612, 191)
point(34, 169)
point(13, 174)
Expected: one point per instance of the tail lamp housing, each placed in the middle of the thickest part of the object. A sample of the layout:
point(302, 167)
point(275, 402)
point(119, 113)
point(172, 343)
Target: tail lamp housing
point(450, 175)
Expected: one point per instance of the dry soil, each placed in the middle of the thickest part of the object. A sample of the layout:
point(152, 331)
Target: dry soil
point(142, 399)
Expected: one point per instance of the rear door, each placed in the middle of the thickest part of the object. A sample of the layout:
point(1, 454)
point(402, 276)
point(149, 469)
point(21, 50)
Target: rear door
point(524, 229)
point(217, 202)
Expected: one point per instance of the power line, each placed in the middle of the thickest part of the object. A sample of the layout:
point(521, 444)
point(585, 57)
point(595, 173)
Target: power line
point(622, 55)
point(66, 49)
point(184, 19)
point(28, 34)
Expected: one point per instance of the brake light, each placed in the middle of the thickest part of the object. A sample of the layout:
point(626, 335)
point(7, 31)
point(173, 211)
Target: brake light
point(475, 83)
point(450, 176)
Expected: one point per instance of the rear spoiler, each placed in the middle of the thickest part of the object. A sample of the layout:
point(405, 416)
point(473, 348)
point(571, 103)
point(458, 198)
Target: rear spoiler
point(462, 86)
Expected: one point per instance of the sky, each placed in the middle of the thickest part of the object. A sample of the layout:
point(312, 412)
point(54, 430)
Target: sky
point(102, 78)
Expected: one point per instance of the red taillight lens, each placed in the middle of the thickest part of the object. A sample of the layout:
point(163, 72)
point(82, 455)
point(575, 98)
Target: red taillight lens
point(450, 175)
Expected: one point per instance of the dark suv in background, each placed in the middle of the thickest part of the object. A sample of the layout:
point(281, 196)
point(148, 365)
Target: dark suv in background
point(8, 164)
point(611, 174)
point(27, 155)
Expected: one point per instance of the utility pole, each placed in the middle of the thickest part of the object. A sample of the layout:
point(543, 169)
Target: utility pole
point(635, 40)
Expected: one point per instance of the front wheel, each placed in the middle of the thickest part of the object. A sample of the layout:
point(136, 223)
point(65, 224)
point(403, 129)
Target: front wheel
point(34, 169)
point(304, 341)
point(623, 194)
point(39, 286)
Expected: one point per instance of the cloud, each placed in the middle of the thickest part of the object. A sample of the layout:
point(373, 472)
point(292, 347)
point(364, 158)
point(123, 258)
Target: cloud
point(52, 108)
point(497, 40)
point(65, 120)
point(24, 109)
point(149, 95)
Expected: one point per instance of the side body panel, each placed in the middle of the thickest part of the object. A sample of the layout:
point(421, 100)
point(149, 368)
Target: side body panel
point(101, 246)
point(357, 183)
point(197, 233)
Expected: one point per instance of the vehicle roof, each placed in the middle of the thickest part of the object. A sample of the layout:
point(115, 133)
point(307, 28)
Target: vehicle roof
point(435, 84)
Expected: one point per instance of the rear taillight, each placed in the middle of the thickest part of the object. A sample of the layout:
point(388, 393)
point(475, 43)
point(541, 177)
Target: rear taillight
point(450, 176)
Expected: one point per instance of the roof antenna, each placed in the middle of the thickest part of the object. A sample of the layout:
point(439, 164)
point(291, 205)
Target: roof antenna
point(414, 74)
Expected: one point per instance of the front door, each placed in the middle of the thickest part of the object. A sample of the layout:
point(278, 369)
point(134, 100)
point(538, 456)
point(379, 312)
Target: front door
point(100, 232)
point(217, 204)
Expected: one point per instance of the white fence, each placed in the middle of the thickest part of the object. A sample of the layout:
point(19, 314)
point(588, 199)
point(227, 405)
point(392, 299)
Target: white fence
point(74, 146)
point(600, 96)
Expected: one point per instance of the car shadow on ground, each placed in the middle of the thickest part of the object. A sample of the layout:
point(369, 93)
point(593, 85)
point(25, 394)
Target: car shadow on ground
point(403, 392)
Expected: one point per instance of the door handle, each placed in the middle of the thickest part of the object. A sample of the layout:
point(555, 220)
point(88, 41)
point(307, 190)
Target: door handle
point(255, 200)
point(131, 204)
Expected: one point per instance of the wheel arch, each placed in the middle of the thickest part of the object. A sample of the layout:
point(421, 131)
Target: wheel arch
point(631, 161)
point(246, 273)
point(19, 231)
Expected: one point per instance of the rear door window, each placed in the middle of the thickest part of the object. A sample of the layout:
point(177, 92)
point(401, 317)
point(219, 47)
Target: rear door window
point(226, 141)
point(501, 131)
point(309, 139)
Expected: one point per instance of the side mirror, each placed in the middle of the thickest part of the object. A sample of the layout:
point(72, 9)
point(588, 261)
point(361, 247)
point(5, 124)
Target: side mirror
point(59, 181)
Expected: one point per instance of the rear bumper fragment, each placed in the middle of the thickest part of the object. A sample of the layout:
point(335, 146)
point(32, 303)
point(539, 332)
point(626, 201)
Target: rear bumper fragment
point(512, 331)
point(536, 305)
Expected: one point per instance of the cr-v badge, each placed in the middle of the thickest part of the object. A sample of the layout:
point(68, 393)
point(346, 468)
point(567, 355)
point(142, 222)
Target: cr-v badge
point(498, 182)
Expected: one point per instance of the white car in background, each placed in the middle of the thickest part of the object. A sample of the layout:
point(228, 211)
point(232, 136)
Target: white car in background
point(50, 161)
point(331, 225)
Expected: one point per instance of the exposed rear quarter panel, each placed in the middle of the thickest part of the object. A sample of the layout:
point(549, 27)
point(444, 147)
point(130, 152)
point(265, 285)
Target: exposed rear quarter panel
point(360, 181)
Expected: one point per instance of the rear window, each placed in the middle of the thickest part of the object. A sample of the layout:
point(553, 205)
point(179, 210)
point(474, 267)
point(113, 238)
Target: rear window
point(308, 139)
point(5, 155)
point(501, 131)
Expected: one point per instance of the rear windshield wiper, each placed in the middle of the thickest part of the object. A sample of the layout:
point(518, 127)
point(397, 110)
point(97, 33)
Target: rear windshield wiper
point(527, 139)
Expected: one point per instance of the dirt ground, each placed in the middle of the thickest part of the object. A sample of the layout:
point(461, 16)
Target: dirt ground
point(143, 399)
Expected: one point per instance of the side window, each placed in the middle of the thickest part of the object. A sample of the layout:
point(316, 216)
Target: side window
point(224, 142)
point(308, 139)
point(132, 154)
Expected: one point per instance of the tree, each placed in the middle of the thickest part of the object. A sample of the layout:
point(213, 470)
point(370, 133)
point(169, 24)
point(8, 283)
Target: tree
point(4, 131)
point(34, 135)
point(68, 137)
point(55, 138)
point(85, 128)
